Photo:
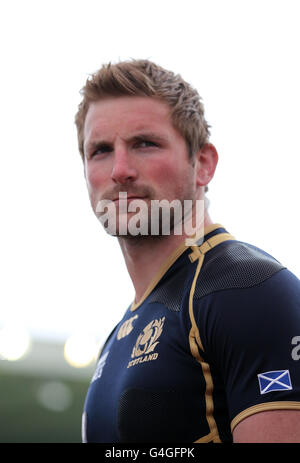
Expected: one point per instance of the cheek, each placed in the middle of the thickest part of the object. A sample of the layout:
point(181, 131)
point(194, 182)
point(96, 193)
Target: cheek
point(174, 180)
point(94, 178)
point(163, 172)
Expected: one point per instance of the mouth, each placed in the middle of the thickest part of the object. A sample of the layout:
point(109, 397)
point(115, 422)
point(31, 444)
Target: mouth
point(128, 198)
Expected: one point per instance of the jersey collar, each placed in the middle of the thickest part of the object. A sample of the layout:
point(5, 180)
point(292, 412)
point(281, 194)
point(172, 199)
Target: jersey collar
point(169, 262)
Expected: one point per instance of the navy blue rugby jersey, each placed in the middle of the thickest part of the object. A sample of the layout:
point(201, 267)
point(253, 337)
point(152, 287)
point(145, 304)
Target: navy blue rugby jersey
point(209, 344)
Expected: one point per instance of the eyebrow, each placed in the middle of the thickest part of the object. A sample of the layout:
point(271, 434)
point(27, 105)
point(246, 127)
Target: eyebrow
point(92, 145)
point(152, 135)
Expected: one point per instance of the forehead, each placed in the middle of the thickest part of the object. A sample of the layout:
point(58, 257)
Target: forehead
point(125, 114)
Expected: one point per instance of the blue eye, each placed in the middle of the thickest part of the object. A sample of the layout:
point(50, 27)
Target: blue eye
point(146, 144)
point(101, 150)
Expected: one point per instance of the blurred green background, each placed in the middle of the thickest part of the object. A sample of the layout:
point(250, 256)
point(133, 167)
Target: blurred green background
point(42, 396)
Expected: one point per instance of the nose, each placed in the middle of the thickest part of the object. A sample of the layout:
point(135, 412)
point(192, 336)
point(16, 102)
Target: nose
point(123, 170)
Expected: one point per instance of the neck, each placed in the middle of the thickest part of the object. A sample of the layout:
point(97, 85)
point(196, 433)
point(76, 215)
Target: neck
point(145, 255)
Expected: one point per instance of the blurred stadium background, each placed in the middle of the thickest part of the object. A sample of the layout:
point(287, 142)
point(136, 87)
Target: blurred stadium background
point(42, 388)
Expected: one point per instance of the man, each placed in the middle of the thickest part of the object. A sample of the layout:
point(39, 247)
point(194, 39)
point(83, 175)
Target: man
point(204, 352)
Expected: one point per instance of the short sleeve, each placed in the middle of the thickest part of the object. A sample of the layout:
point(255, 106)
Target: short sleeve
point(247, 336)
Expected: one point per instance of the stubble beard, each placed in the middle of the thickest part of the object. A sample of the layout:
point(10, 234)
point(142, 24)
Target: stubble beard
point(154, 220)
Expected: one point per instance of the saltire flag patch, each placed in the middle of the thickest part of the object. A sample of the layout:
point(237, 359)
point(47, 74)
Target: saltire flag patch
point(278, 380)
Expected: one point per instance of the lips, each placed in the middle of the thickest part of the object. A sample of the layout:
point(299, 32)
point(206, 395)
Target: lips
point(116, 195)
point(128, 197)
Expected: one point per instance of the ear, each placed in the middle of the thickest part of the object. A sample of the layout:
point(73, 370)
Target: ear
point(206, 162)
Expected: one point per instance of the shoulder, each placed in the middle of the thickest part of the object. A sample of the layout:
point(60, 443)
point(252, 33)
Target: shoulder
point(243, 293)
point(235, 264)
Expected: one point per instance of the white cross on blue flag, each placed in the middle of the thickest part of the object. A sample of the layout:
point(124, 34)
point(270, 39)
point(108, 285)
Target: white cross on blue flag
point(278, 380)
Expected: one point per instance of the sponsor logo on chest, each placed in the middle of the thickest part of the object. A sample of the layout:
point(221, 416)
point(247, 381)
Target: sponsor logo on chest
point(126, 328)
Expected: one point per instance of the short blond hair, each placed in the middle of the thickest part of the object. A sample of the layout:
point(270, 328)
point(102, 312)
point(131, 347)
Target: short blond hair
point(145, 78)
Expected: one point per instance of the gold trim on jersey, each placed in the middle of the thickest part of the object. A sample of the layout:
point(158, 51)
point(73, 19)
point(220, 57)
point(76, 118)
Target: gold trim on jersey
point(262, 408)
point(194, 335)
point(208, 438)
point(168, 263)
